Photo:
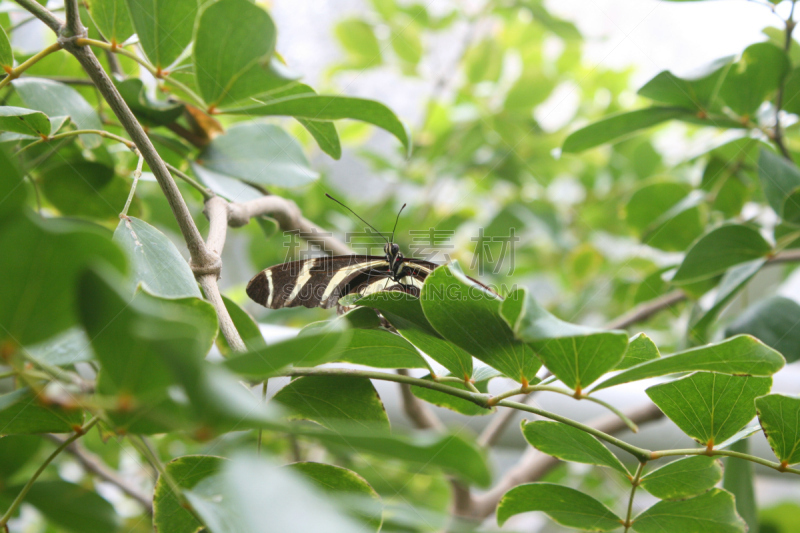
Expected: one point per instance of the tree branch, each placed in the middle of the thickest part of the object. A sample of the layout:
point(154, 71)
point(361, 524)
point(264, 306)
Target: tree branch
point(43, 14)
point(498, 425)
point(417, 411)
point(535, 464)
point(647, 309)
point(92, 464)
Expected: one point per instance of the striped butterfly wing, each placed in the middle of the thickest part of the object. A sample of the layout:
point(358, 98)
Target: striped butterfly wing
point(322, 281)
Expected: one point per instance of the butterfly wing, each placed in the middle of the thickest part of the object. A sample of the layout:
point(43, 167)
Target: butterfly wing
point(316, 282)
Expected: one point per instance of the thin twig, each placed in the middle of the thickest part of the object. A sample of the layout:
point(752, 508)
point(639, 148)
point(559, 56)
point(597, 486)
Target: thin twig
point(136, 175)
point(95, 466)
point(417, 411)
point(22, 67)
point(634, 485)
point(647, 309)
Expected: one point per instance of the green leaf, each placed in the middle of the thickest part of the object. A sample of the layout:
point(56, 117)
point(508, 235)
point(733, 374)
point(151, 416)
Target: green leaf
point(56, 99)
point(6, 54)
point(113, 19)
point(360, 43)
point(791, 92)
point(187, 471)
point(710, 407)
point(258, 153)
point(407, 42)
point(742, 354)
point(347, 487)
point(67, 348)
point(697, 93)
point(325, 108)
point(15, 452)
point(22, 411)
point(26, 121)
point(577, 355)
point(640, 350)
point(326, 136)
point(148, 110)
point(734, 280)
point(380, 349)
point(566, 506)
point(164, 28)
point(405, 313)
point(133, 338)
point(754, 78)
point(11, 188)
point(37, 296)
point(73, 507)
point(718, 250)
point(252, 495)
point(712, 511)
point(617, 126)
point(739, 480)
point(156, 263)
point(449, 452)
point(666, 215)
point(245, 325)
point(335, 401)
point(683, 478)
point(773, 322)
point(234, 45)
point(304, 350)
point(459, 405)
point(84, 188)
point(779, 179)
point(779, 416)
point(569, 444)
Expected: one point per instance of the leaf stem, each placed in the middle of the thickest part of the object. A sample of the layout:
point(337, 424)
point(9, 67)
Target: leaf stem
point(24, 492)
point(634, 485)
point(73, 133)
point(16, 72)
point(206, 192)
point(136, 175)
point(261, 430)
point(726, 453)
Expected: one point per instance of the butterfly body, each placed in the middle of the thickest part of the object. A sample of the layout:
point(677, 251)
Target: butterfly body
point(322, 281)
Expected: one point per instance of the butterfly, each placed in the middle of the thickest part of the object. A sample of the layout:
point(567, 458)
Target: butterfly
point(323, 281)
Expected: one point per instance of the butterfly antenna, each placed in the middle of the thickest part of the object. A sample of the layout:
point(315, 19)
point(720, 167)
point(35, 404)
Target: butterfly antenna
point(356, 215)
point(396, 221)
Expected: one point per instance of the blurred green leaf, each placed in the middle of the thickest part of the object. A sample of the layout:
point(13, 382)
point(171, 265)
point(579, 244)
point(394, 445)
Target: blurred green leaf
point(258, 153)
point(15, 452)
point(640, 350)
point(21, 120)
point(67, 348)
point(325, 108)
point(407, 42)
point(791, 92)
point(698, 92)
point(304, 350)
point(710, 407)
point(37, 298)
point(754, 77)
point(164, 28)
point(335, 401)
point(459, 405)
point(720, 249)
point(566, 506)
point(347, 487)
point(569, 444)
point(234, 45)
point(245, 325)
point(84, 188)
point(470, 317)
point(22, 411)
point(56, 99)
point(683, 478)
point(325, 134)
point(484, 61)
point(113, 19)
point(6, 54)
point(187, 471)
point(779, 416)
point(73, 507)
point(712, 511)
point(617, 126)
point(739, 480)
point(779, 179)
point(577, 355)
point(360, 43)
point(148, 110)
point(665, 215)
point(251, 495)
point(773, 321)
point(12, 189)
point(741, 354)
point(156, 263)
point(379, 349)
point(405, 313)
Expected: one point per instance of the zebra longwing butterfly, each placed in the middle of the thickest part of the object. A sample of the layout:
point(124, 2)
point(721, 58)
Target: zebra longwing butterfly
point(323, 281)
